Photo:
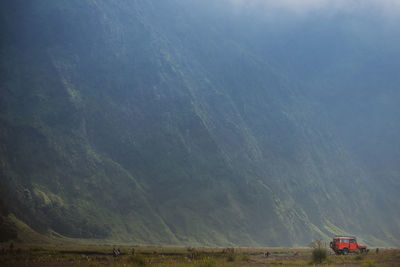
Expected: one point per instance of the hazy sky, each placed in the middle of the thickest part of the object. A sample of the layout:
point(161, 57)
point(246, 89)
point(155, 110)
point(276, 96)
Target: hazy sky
point(304, 7)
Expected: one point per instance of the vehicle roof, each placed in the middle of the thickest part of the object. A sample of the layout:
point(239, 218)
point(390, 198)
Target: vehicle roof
point(343, 237)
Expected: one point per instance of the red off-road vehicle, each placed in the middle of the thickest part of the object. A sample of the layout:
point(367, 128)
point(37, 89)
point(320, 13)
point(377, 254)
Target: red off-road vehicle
point(346, 244)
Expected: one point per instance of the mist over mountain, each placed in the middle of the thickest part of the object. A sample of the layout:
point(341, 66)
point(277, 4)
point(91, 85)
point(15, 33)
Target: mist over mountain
point(217, 123)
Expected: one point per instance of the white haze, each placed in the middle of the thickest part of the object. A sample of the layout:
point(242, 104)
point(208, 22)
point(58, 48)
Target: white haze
point(390, 8)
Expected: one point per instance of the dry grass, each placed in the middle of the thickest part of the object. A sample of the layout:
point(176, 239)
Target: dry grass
point(25, 255)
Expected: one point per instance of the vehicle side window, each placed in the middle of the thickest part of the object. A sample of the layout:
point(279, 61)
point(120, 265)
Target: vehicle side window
point(352, 241)
point(346, 241)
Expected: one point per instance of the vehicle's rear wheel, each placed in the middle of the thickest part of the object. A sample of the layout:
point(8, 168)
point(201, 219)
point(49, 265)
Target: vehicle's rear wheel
point(345, 251)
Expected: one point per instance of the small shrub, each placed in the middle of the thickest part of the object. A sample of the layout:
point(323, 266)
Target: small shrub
point(319, 255)
point(194, 255)
point(231, 258)
point(228, 251)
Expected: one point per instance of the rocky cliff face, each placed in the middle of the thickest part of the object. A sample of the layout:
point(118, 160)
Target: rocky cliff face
point(180, 122)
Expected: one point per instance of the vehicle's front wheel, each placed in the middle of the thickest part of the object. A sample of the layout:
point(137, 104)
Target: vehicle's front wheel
point(345, 251)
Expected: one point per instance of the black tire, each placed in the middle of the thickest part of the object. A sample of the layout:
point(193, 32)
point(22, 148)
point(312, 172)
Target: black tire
point(363, 250)
point(345, 251)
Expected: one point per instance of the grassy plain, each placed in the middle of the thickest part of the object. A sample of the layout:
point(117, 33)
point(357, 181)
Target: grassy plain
point(34, 255)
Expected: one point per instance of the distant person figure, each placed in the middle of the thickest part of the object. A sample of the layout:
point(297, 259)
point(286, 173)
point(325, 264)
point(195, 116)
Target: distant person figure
point(133, 251)
point(118, 252)
point(377, 250)
point(115, 252)
point(266, 255)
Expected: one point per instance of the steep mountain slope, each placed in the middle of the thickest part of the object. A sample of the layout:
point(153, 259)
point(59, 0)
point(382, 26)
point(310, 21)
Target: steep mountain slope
point(168, 123)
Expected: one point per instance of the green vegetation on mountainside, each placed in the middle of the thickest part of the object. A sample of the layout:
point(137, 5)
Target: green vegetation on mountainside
point(142, 122)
